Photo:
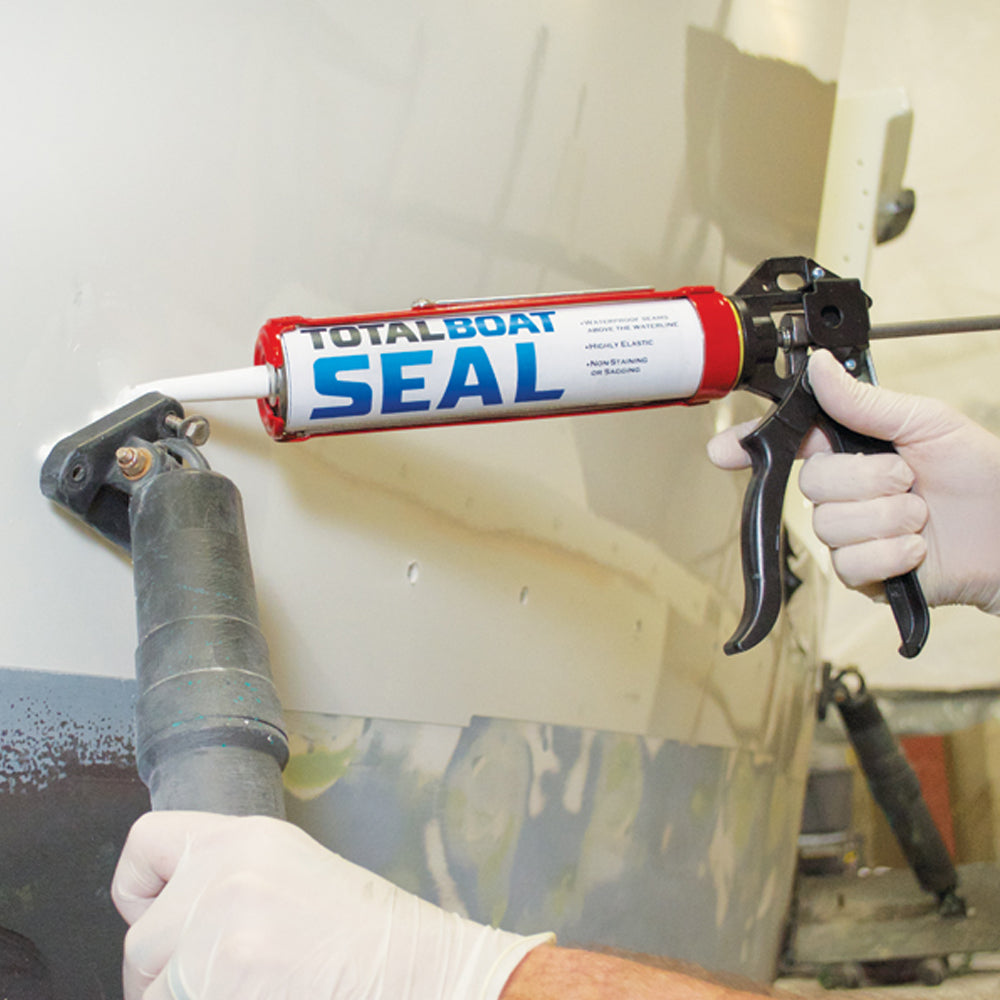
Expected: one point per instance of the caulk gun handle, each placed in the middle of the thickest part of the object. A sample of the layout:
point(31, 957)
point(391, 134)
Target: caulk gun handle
point(904, 593)
point(772, 448)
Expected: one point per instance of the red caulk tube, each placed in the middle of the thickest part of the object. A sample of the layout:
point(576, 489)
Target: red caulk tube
point(485, 359)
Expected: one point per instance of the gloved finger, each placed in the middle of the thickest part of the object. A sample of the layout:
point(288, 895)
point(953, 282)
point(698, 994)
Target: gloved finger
point(196, 938)
point(833, 477)
point(860, 566)
point(726, 451)
point(226, 946)
point(155, 847)
point(850, 522)
point(143, 869)
point(877, 412)
point(143, 961)
point(155, 888)
point(152, 988)
point(168, 985)
point(152, 944)
point(248, 935)
point(153, 940)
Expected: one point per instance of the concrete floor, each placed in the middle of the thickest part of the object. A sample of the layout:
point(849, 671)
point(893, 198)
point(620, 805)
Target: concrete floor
point(981, 983)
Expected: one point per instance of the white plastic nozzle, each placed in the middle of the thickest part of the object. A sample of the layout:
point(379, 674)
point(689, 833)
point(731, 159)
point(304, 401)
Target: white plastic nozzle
point(255, 382)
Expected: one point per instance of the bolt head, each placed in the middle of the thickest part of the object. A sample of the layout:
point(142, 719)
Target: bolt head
point(134, 463)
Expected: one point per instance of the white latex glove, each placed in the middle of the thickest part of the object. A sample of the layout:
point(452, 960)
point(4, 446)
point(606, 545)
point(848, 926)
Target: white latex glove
point(935, 505)
point(227, 908)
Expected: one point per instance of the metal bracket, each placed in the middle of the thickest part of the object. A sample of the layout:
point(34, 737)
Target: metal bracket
point(94, 472)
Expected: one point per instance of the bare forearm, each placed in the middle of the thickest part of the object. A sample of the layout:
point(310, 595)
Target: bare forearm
point(552, 973)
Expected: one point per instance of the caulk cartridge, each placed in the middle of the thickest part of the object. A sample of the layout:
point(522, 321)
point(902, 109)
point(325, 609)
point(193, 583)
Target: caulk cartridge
point(485, 359)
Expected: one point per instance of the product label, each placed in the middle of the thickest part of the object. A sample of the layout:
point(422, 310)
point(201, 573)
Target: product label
point(418, 369)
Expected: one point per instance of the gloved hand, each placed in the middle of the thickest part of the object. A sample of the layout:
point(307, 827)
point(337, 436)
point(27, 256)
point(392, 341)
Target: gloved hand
point(227, 908)
point(934, 506)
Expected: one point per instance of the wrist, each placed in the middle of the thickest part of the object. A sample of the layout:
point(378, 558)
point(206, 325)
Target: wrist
point(509, 959)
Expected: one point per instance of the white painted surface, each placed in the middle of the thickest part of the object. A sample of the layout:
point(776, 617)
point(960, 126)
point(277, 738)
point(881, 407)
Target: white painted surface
point(174, 174)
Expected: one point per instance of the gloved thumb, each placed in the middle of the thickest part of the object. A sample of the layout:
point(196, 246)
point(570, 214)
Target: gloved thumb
point(725, 451)
point(834, 389)
point(871, 410)
point(877, 412)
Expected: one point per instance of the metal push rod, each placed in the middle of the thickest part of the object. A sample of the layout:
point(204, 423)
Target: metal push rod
point(932, 327)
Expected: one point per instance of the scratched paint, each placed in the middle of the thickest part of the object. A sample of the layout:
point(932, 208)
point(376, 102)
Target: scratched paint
point(588, 833)
point(45, 735)
point(637, 842)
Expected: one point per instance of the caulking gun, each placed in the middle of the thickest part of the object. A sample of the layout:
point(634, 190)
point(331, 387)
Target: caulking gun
point(509, 358)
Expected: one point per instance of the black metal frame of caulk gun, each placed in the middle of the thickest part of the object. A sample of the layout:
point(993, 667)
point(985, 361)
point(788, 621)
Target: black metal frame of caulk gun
point(209, 733)
point(794, 305)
